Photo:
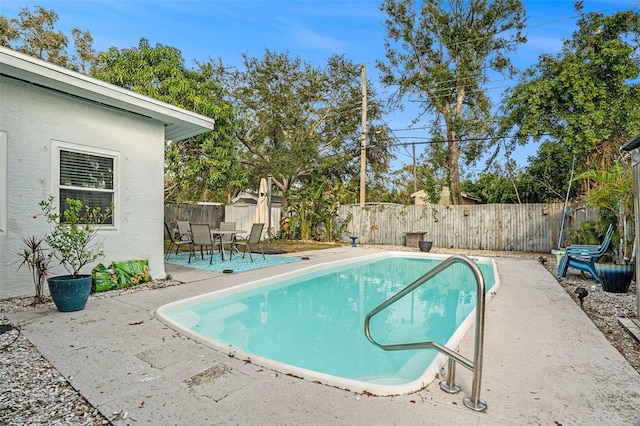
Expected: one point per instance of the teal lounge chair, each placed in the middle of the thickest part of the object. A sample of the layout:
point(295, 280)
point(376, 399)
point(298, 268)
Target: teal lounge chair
point(584, 257)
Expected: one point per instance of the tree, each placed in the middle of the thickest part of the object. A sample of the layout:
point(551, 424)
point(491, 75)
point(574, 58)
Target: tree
point(9, 32)
point(295, 119)
point(34, 34)
point(543, 180)
point(547, 175)
point(86, 58)
point(587, 97)
point(193, 166)
point(441, 54)
point(38, 37)
point(496, 187)
point(428, 179)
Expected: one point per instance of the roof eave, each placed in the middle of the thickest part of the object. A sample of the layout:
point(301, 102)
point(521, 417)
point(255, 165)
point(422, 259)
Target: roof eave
point(179, 123)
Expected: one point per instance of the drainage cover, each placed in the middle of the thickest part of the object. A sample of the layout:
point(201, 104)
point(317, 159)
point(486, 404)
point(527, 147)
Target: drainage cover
point(208, 375)
point(4, 328)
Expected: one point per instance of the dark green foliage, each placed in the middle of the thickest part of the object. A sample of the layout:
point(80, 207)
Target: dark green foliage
point(295, 119)
point(587, 97)
point(199, 167)
point(547, 176)
point(586, 233)
point(313, 211)
point(73, 231)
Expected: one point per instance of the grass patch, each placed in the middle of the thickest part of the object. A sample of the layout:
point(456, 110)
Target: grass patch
point(292, 246)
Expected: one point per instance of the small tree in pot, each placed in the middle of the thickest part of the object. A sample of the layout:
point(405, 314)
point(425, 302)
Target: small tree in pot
point(72, 242)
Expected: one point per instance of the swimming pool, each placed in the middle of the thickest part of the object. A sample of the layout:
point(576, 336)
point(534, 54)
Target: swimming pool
point(309, 323)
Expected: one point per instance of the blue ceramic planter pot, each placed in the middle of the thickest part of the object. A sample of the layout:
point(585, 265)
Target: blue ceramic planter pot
point(70, 294)
point(615, 278)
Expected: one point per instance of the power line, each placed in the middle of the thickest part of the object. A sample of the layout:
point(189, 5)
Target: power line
point(428, 141)
point(432, 127)
point(484, 68)
point(542, 24)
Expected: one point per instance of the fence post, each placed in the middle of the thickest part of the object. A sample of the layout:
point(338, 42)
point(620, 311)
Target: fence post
point(500, 230)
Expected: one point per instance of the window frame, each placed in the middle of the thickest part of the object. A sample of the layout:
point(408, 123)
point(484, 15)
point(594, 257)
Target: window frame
point(57, 147)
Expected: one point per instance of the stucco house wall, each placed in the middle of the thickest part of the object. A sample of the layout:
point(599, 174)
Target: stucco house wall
point(34, 120)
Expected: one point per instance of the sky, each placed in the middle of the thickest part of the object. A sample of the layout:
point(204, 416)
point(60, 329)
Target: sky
point(313, 30)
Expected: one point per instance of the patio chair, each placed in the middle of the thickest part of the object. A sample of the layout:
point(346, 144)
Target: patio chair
point(252, 240)
point(201, 236)
point(184, 230)
point(173, 242)
point(228, 239)
point(583, 257)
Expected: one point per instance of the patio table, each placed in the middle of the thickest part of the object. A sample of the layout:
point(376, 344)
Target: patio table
point(218, 233)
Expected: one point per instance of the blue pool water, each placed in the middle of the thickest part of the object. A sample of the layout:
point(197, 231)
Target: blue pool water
point(310, 323)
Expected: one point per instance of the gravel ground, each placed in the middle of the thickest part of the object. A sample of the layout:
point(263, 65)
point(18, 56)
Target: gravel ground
point(34, 392)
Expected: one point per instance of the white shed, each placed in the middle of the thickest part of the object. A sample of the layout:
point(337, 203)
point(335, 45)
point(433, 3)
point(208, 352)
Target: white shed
point(55, 122)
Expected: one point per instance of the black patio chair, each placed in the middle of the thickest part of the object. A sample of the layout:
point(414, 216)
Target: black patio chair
point(201, 236)
point(252, 240)
point(173, 242)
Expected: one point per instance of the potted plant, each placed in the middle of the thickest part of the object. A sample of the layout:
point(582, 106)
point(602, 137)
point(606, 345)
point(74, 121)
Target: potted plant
point(613, 192)
point(425, 245)
point(72, 243)
point(35, 258)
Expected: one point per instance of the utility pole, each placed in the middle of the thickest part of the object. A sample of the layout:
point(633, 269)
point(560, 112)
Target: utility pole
point(363, 145)
point(415, 170)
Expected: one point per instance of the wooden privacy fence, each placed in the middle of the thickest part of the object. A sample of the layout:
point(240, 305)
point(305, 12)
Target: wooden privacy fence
point(213, 214)
point(509, 227)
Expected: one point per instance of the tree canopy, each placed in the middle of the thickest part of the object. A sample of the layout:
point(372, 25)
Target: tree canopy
point(301, 123)
point(548, 174)
point(441, 53)
point(295, 120)
point(544, 180)
point(196, 165)
point(34, 34)
point(587, 97)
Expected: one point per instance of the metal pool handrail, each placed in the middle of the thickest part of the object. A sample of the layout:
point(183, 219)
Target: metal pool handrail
point(473, 403)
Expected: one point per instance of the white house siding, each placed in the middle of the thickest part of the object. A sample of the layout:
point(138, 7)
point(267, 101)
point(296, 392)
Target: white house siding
point(32, 118)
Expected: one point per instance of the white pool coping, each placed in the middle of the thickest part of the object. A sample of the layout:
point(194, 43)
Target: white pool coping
point(378, 389)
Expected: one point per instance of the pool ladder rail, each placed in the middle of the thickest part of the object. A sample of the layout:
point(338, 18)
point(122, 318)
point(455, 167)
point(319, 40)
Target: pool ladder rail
point(474, 402)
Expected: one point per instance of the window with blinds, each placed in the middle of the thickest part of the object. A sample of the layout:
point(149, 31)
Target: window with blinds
point(88, 178)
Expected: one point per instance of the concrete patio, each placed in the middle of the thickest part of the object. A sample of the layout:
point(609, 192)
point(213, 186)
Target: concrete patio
point(544, 363)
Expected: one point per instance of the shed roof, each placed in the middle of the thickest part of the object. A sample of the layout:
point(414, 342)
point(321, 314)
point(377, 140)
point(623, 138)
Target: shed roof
point(245, 197)
point(632, 144)
point(179, 123)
